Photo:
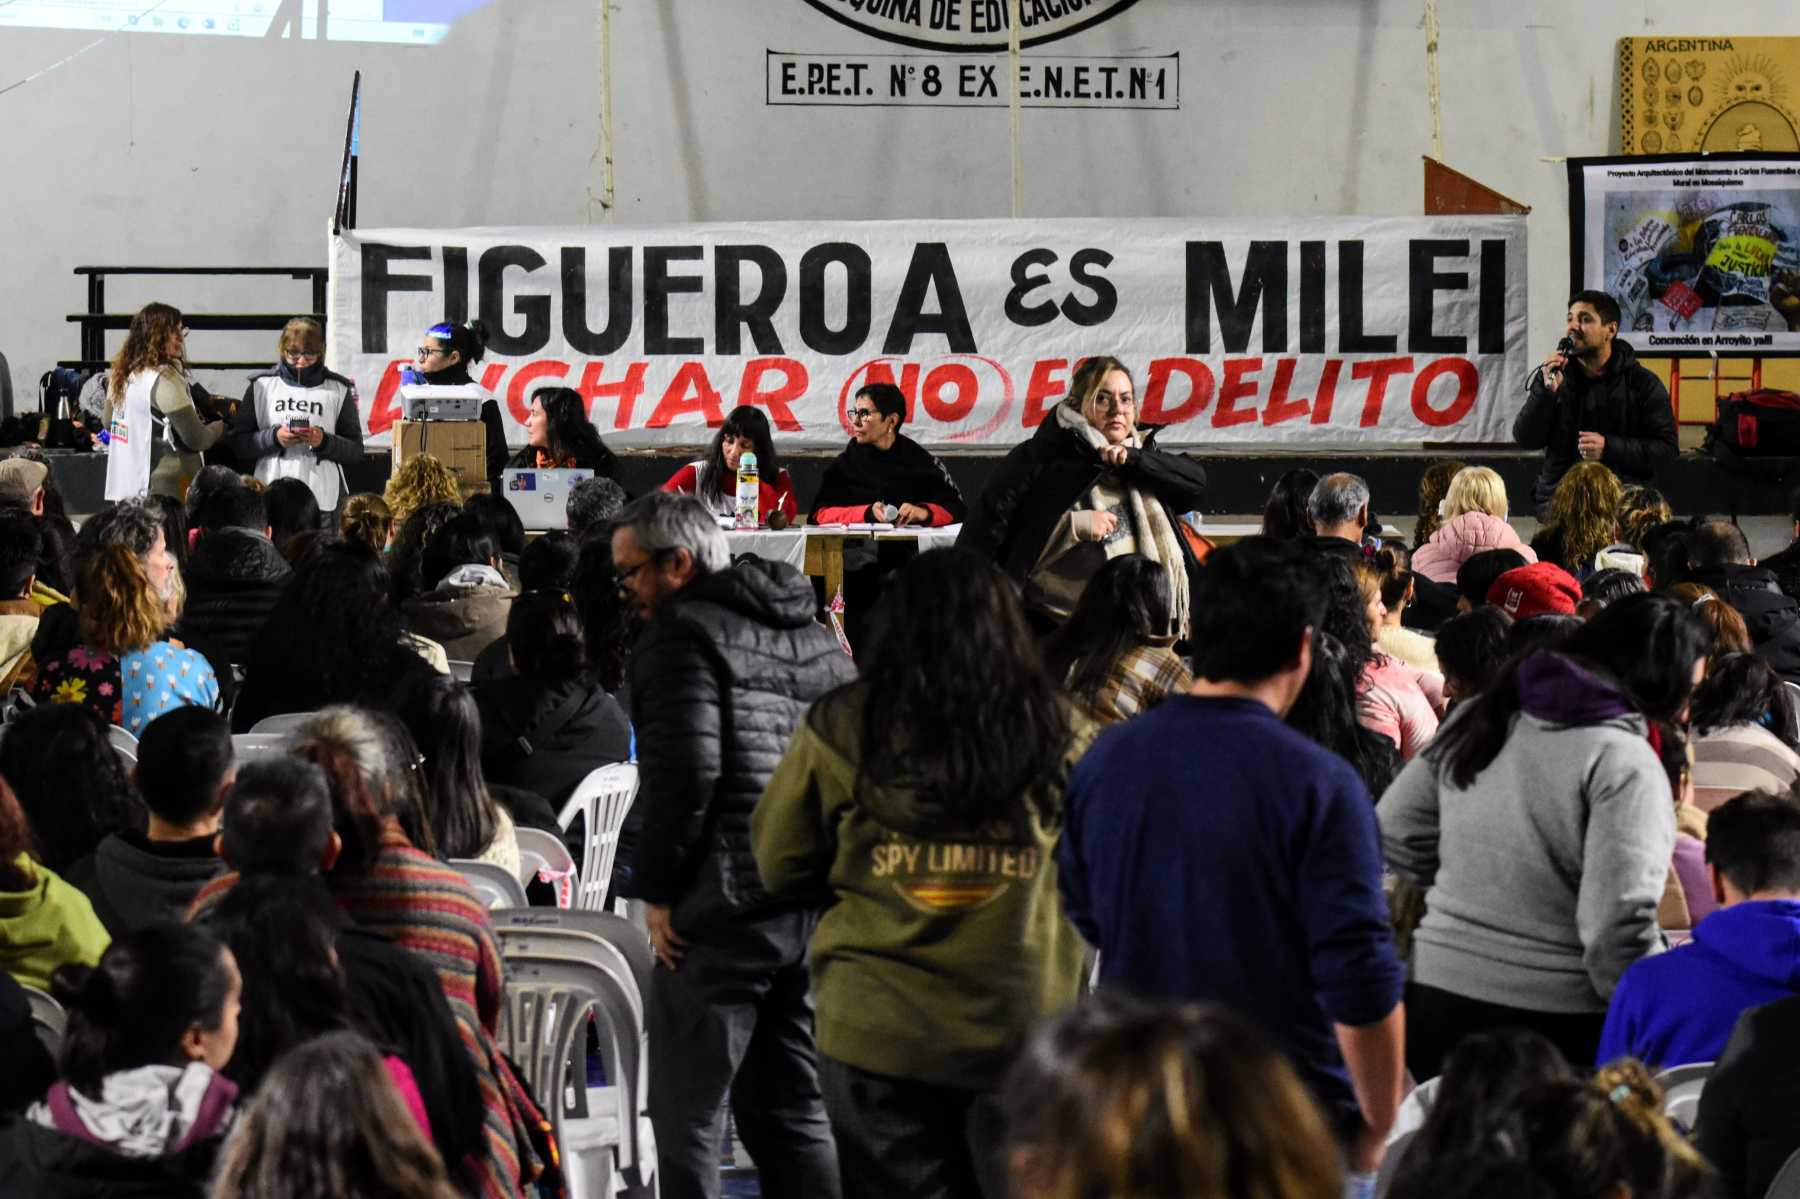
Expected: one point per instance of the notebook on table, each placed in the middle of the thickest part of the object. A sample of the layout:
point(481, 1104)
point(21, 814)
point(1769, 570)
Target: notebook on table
point(541, 497)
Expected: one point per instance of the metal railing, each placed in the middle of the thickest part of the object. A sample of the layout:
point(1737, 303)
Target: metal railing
point(96, 322)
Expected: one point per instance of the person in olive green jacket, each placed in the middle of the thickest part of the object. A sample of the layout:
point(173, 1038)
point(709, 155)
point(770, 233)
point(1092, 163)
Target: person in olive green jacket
point(44, 922)
point(930, 813)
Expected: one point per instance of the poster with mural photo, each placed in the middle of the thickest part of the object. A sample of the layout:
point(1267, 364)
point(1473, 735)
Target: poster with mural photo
point(1701, 252)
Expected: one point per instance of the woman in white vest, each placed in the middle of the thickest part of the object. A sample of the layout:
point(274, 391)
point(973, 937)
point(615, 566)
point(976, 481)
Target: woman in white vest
point(300, 421)
point(148, 385)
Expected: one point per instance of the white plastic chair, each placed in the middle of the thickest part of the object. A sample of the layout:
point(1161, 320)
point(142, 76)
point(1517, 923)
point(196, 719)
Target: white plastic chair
point(549, 973)
point(246, 747)
point(282, 724)
point(494, 884)
point(1681, 1087)
point(124, 744)
point(544, 857)
point(48, 1019)
point(602, 799)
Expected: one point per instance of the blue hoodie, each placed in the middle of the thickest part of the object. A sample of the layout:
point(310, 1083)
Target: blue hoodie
point(1679, 1007)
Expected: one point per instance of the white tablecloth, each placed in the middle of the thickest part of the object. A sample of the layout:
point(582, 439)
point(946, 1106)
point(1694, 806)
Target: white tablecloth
point(789, 545)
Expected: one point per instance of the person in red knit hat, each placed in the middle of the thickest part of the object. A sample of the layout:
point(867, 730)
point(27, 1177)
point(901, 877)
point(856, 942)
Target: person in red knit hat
point(1534, 590)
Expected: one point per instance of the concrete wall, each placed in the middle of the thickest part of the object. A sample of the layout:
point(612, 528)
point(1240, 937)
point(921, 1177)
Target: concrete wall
point(180, 150)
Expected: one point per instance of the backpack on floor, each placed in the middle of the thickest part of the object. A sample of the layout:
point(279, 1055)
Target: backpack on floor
point(1756, 424)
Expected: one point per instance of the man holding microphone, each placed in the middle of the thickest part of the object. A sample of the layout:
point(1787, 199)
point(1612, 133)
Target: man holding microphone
point(1591, 400)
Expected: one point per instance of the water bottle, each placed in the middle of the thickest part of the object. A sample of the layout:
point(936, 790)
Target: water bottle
point(749, 492)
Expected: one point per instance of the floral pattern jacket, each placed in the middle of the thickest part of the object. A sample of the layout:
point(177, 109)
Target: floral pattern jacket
point(128, 691)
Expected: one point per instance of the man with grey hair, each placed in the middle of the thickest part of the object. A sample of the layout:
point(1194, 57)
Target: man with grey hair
point(592, 506)
point(1339, 506)
point(729, 660)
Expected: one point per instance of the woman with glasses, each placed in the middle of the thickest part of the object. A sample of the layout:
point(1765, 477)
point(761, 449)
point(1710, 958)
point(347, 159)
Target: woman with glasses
point(149, 386)
point(884, 476)
point(300, 421)
point(444, 356)
point(1088, 487)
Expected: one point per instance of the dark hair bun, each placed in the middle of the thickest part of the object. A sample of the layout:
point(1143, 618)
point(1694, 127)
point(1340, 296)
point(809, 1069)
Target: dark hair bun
point(87, 989)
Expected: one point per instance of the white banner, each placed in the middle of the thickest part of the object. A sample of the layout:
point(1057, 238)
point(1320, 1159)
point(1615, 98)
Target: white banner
point(1281, 332)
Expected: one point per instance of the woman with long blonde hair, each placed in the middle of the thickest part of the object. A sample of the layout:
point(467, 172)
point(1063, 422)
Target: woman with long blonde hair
point(149, 382)
point(122, 667)
point(1584, 518)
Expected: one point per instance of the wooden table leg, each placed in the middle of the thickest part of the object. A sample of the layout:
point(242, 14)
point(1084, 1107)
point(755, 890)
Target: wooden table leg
point(825, 560)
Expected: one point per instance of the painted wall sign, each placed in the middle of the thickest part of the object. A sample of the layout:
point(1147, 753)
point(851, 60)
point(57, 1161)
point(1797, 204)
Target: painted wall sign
point(971, 80)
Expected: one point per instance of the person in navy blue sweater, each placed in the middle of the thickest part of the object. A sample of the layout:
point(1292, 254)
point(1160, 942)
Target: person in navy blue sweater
point(1679, 1007)
point(1213, 853)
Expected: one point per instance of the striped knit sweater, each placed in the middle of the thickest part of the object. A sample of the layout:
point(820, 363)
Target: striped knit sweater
point(426, 907)
point(1744, 757)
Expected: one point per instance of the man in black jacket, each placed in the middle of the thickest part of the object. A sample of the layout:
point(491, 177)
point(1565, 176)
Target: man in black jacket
point(234, 575)
point(1719, 558)
point(727, 665)
point(1609, 409)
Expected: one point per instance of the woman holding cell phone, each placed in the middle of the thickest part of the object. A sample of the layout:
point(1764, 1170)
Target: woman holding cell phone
point(300, 421)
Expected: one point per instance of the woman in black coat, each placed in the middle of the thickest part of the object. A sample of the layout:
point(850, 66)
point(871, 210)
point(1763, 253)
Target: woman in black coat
point(1087, 487)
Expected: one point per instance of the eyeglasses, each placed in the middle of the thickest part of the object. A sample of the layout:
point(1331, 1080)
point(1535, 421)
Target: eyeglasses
point(622, 579)
point(301, 355)
point(427, 351)
point(859, 415)
point(1106, 401)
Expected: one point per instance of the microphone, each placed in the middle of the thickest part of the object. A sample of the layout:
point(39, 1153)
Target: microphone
point(1566, 347)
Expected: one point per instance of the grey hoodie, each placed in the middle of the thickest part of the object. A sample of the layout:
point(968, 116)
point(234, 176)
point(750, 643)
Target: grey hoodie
point(1544, 874)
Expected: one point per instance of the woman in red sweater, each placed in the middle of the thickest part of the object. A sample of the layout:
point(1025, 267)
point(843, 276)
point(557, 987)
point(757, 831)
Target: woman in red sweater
point(713, 479)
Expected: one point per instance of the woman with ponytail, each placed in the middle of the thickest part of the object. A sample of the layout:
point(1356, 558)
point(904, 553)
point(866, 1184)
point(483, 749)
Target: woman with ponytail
point(551, 723)
point(140, 1108)
point(446, 352)
point(1542, 822)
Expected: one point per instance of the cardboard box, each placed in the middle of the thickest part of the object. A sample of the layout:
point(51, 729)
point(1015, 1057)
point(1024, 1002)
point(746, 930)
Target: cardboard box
point(460, 445)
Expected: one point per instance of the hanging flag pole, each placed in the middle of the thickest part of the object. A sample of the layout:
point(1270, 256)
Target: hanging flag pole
point(345, 215)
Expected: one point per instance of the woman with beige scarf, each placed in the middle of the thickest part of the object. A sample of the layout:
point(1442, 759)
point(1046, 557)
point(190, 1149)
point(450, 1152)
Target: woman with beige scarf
point(1088, 487)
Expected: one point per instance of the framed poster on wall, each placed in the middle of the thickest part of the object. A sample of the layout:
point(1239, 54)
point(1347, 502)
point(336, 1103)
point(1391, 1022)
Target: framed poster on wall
point(1701, 252)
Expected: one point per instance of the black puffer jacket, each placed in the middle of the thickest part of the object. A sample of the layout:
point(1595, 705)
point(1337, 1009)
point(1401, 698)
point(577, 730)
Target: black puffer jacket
point(234, 577)
point(1627, 405)
point(1043, 478)
point(1772, 616)
point(719, 682)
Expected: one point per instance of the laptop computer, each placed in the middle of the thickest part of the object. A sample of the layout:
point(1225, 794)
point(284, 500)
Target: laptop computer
point(541, 497)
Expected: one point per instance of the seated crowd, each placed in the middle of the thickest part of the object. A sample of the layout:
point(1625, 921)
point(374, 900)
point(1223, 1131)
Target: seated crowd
point(1405, 865)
